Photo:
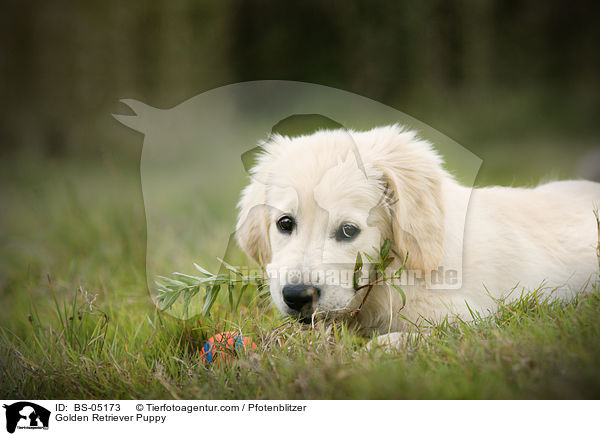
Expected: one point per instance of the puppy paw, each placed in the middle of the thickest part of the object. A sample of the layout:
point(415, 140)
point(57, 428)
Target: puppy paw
point(389, 342)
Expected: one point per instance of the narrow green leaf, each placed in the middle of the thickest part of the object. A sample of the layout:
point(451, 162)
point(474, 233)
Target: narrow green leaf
point(202, 270)
point(402, 294)
point(172, 282)
point(230, 288)
point(387, 262)
point(187, 296)
point(188, 279)
point(230, 268)
point(237, 303)
point(209, 299)
point(166, 300)
point(359, 263)
point(385, 249)
point(357, 270)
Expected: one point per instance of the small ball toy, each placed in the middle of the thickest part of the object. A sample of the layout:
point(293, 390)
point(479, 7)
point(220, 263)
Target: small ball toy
point(224, 346)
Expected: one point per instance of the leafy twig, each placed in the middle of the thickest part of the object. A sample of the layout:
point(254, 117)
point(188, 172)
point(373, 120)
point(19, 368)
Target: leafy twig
point(186, 286)
point(381, 265)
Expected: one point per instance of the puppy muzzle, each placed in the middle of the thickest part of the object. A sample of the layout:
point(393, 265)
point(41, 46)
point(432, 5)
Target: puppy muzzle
point(301, 299)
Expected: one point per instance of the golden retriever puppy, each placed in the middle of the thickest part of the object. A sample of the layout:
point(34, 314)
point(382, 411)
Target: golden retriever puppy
point(316, 201)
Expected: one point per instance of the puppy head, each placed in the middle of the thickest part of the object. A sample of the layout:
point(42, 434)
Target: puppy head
point(316, 201)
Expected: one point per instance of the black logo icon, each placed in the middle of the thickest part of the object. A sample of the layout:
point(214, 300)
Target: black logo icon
point(26, 415)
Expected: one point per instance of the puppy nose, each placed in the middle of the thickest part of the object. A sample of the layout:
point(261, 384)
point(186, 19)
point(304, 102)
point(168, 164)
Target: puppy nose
point(297, 297)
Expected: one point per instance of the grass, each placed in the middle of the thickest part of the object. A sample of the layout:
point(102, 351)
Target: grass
point(78, 322)
point(530, 349)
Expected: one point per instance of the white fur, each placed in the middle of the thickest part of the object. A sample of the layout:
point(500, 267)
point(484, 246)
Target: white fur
point(501, 240)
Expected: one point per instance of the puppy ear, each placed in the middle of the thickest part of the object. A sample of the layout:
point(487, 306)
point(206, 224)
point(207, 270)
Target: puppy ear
point(252, 230)
point(413, 175)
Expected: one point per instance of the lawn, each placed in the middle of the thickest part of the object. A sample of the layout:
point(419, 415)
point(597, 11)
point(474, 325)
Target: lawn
point(77, 320)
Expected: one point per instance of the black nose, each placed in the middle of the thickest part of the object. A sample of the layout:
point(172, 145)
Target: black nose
point(300, 297)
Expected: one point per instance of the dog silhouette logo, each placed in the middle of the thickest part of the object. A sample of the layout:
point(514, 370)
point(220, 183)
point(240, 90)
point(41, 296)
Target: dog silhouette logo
point(26, 415)
point(192, 151)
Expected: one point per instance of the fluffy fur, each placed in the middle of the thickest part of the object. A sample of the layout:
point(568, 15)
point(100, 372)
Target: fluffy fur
point(496, 242)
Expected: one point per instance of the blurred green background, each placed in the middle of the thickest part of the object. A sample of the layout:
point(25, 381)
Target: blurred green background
point(486, 73)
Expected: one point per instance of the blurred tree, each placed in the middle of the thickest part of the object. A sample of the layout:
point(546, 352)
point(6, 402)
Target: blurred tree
point(64, 65)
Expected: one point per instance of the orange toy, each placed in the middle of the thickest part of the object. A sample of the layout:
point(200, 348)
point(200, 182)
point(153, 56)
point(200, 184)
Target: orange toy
point(224, 346)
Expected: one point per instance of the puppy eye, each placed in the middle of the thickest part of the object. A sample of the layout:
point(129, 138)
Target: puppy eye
point(286, 224)
point(346, 232)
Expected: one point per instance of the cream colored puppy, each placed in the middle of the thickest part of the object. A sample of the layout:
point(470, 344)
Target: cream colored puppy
point(315, 201)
